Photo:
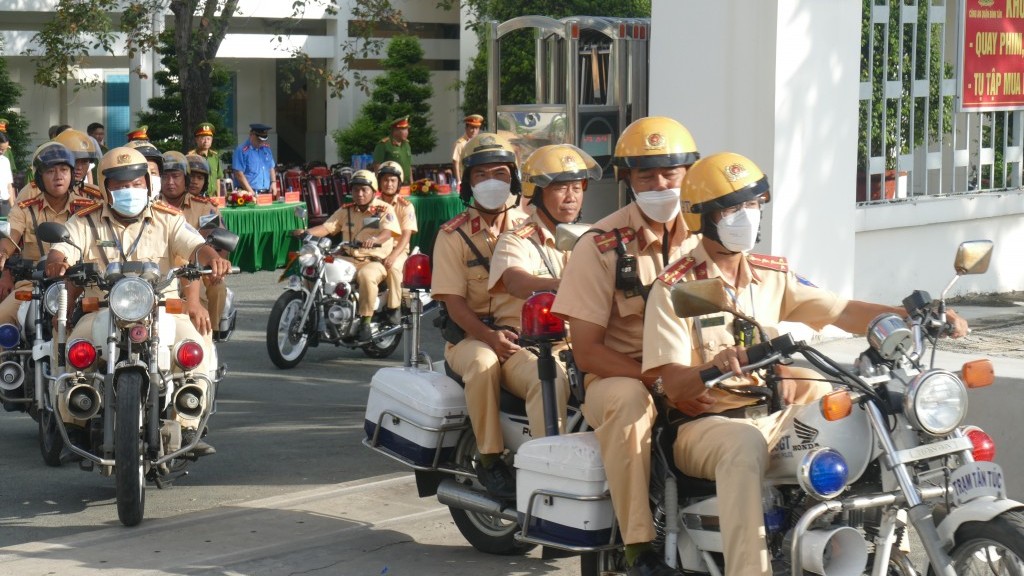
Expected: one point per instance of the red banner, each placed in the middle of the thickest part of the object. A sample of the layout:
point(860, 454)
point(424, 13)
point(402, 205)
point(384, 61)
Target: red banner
point(992, 59)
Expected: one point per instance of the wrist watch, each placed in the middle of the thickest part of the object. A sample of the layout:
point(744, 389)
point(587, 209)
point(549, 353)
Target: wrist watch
point(658, 387)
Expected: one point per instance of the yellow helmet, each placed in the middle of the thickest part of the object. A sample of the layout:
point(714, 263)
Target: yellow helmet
point(83, 146)
point(488, 148)
point(390, 168)
point(175, 161)
point(123, 163)
point(720, 181)
point(557, 163)
point(363, 178)
point(654, 142)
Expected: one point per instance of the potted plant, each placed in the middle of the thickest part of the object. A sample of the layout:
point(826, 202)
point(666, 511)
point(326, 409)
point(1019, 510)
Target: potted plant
point(888, 54)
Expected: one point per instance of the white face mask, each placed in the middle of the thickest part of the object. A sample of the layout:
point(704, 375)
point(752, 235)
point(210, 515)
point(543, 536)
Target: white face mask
point(129, 201)
point(156, 186)
point(491, 194)
point(738, 231)
point(659, 205)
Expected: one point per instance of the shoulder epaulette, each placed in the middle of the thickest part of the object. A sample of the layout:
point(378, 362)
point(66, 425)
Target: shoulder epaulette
point(92, 190)
point(677, 270)
point(404, 201)
point(385, 139)
point(37, 201)
point(349, 205)
point(201, 199)
point(454, 223)
point(525, 231)
point(80, 203)
point(607, 241)
point(770, 262)
point(92, 207)
point(161, 206)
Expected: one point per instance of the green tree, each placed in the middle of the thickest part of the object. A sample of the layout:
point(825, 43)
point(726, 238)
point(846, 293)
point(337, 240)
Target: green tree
point(164, 117)
point(17, 125)
point(199, 27)
point(517, 50)
point(402, 90)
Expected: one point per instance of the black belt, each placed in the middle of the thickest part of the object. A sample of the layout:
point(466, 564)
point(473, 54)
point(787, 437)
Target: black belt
point(262, 190)
point(752, 411)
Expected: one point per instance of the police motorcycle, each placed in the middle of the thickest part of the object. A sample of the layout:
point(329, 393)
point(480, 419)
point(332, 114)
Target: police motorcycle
point(416, 414)
point(319, 304)
point(132, 384)
point(887, 449)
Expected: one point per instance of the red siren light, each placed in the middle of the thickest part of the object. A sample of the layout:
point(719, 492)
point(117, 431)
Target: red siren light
point(539, 324)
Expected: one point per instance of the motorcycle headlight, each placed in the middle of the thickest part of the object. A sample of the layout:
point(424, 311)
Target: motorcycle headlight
point(50, 298)
point(307, 255)
point(131, 299)
point(936, 402)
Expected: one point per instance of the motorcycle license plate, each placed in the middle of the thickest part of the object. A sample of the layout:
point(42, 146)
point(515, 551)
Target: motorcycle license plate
point(976, 479)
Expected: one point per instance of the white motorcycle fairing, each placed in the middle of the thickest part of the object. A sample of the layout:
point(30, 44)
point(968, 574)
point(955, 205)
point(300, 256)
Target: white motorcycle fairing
point(167, 334)
point(336, 272)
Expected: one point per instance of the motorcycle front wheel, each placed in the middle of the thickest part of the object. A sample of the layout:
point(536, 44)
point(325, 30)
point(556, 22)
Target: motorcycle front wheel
point(286, 342)
point(603, 562)
point(486, 533)
point(51, 444)
point(129, 471)
point(993, 548)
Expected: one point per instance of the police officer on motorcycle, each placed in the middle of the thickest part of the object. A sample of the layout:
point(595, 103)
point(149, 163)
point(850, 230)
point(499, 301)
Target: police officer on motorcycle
point(602, 296)
point(527, 261)
point(389, 179)
point(722, 198)
point(376, 240)
point(477, 345)
point(129, 226)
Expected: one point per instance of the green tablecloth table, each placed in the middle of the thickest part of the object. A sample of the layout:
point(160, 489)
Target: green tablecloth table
point(264, 234)
point(431, 212)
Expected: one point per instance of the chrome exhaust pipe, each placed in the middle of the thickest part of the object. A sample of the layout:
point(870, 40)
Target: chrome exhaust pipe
point(188, 401)
point(389, 332)
point(451, 493)
point(83, 402)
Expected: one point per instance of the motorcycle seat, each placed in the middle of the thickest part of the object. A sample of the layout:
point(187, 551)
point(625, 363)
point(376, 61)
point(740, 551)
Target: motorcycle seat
point(687, 486)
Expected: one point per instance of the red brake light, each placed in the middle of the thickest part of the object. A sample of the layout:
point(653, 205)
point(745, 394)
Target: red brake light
point(81, 354)
point(416, 273)
point(538, 322)
point(984, 445)
point(188, 354)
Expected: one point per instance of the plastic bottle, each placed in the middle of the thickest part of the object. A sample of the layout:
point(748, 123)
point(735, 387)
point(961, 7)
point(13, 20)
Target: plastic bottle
point(774, 510)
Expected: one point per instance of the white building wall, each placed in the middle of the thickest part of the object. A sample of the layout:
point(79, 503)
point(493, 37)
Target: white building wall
point(776, 82)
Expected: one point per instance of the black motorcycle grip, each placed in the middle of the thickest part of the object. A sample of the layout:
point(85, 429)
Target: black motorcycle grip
point(755, 353)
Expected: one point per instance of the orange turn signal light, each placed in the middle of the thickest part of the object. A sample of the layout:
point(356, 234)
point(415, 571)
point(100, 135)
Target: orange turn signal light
point(90, 304)
point(329, 258)
point(978, 373)
point(174, 306)
point(836, 405)
point(23, 296)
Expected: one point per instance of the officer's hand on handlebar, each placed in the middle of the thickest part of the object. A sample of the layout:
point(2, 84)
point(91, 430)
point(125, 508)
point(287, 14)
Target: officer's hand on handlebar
point(730, 359)
point(957, 324)
point(219, 268)
point(56, 269)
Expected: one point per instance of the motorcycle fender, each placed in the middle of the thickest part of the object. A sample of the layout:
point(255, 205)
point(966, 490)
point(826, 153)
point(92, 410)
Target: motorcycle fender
point(427, 482)
point(979, 510)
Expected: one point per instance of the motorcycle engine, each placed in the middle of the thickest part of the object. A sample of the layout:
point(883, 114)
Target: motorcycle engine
point(341, 314)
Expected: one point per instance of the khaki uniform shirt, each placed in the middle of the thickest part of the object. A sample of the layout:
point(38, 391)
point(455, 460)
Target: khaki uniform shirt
point(193, 208)
point(587, 291)
point(32, 209)
point(767, 291)
point(457, 270)
point(519, 249)
point(406, 214)
point(457, 155)
point(348, 221)
point(165, 238)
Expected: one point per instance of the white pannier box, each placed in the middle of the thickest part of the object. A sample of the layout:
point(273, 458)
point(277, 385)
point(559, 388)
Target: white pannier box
point(420, 413)
point(564, 467)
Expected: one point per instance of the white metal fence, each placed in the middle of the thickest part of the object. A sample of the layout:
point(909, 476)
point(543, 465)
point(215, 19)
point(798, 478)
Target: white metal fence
point(912, 142)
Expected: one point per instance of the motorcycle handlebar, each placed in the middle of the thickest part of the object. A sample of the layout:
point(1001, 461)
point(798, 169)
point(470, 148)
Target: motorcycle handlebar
point(758, 356)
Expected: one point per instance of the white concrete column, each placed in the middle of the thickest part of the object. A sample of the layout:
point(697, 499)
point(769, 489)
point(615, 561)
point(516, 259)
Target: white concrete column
point(776, 82)
point(140, 90)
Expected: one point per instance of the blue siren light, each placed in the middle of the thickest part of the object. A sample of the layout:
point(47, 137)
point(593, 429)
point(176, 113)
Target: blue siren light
point(824, 473)
point(10, 336)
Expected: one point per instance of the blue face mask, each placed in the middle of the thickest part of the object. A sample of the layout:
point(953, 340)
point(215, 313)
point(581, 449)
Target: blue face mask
point(129, 201)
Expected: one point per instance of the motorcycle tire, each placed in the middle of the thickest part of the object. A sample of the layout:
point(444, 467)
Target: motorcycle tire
point(488, 534)
point(129, 469)
point(603, 562)
point(51, 443)
point(993, 547)
point(284, 349)
point(384, 347)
